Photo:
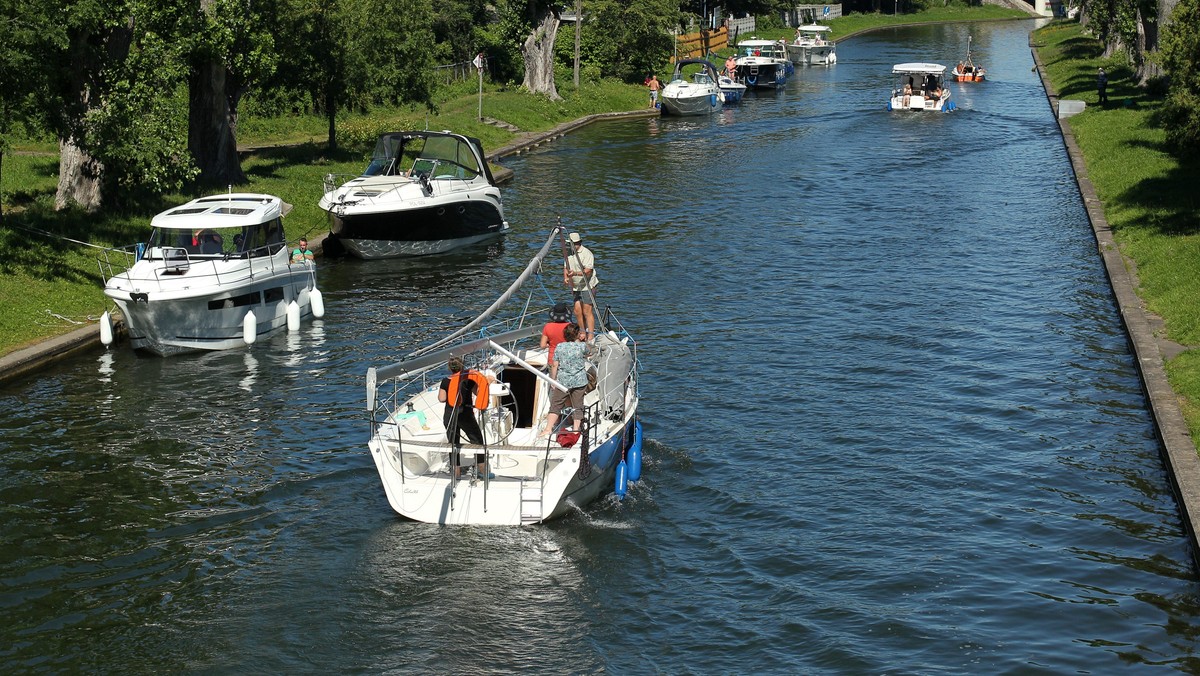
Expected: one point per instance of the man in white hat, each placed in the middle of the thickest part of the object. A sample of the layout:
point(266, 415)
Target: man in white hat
point(580, 275)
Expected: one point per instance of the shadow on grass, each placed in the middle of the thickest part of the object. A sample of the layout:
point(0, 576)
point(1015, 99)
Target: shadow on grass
point(268, 162)
point(1170, 202)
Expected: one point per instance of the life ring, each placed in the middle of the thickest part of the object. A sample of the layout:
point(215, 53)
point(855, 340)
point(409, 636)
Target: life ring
point(482, 387)
point(751, 80)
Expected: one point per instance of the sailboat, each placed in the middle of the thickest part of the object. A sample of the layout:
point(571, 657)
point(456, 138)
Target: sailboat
point(966, 70)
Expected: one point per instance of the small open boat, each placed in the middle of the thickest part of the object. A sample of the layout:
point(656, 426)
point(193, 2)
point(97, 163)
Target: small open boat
point(966, 70)
point(510, 475)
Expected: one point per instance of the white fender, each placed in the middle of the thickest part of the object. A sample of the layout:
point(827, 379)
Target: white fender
point(317, 302)
point(293, 316)
point(250, 328)
point(106, 329)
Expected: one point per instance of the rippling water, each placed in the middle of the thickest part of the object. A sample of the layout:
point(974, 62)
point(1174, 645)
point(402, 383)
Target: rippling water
point(893, 422)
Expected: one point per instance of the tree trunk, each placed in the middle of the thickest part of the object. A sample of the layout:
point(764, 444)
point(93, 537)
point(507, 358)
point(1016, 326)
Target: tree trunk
point(210, 126)
point(538, 52)
point(78, 177)
point(331, 115)
point(80, 174)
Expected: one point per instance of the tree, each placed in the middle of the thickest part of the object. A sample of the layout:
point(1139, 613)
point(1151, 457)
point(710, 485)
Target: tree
point(538, 50)
point(230, 53)
point(1181, 57)
point(28, 38)
point(624, 40)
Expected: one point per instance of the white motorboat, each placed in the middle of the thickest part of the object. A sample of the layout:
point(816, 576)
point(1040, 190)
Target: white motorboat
point(215, 274)
point(698, 96)
point(763, 64)
point(424, 192)
point(525, 478)
point(732, 89)
point(920, 86)
point(812, 46)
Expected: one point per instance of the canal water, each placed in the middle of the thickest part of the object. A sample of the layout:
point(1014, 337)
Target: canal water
point(893, 426)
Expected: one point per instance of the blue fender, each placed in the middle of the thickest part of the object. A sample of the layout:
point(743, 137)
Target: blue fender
point(634, 456)
point(622, 486)
point(889, 106)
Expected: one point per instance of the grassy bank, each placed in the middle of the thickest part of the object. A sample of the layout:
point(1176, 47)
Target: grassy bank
point(1149, 196)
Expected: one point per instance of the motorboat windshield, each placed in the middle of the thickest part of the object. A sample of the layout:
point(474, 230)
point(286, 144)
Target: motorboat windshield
point(219, 226)
point(425, 154)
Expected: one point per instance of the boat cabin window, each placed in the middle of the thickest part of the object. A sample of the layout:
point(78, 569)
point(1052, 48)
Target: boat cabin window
point(256, 240)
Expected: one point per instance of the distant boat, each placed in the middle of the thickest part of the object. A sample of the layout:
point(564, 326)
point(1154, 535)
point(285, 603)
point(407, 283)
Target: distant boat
point(763, 64)
point(966, 70)
point(699, 96)
point(812, 46)
point(510, 475)
point(920, 86)
point(423, 192)
point(215, 274)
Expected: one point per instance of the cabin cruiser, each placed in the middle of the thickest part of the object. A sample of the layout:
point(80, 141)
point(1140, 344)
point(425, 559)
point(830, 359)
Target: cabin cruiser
point(699, 96)
point(812, 46)
point(215, 274)
point(423, 192)
point(511, 468)
point(763, 64)
point(920, 86)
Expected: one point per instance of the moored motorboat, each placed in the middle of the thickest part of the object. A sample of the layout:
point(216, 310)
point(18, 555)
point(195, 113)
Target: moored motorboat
point(699, 95)
point(512, 475)
point(423, 192)
point(920, 86)
point(215, 274)
point(812, 46)
point(967, 70)
point(732, 89)
point(763, 64)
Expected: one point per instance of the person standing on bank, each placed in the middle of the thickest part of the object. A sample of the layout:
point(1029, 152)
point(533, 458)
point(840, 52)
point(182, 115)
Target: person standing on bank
point(580, 275)
point(1102, 85)
point(654, 85)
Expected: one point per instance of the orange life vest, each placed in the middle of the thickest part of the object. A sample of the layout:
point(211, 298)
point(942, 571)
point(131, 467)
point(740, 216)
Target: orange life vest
point(481, 389)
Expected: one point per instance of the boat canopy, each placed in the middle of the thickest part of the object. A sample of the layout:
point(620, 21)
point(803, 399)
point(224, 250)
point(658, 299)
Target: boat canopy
point(814, 28)
point(706, 67)
point(397, 153)
point(922, 68)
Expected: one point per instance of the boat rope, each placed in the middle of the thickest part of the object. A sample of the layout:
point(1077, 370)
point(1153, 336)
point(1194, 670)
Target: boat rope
point(10, 224)
point(531, 268)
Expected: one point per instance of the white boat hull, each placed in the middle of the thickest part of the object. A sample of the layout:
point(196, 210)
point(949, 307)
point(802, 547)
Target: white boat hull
point(693, 103)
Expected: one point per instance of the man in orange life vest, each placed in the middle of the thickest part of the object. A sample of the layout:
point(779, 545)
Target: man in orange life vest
point(462, 392)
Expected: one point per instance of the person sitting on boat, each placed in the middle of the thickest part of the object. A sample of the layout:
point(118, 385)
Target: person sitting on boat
point(570, 367)
point(302, 254)
point(552, 332)
point(731, 68)
point(462, 392)
point(907, 92)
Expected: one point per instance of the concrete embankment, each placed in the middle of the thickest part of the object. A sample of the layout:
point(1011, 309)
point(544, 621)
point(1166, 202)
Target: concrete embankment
point(1178, 450)
point(35, 357)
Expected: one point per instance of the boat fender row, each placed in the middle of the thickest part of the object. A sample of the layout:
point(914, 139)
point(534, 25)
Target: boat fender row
point(630, 467)
point(950, 105)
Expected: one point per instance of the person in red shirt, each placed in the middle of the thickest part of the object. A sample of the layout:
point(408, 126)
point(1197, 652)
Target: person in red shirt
point(552, 332)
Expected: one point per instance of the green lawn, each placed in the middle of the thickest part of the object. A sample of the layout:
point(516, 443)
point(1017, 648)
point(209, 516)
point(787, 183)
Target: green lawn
point(1150, 197)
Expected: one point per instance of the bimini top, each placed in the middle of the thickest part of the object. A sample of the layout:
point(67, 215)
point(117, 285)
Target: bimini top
point(233, 210)
point(936, 69)
point(814, 28)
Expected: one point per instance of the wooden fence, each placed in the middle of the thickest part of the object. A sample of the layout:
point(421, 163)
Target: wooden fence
point(691, 45)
